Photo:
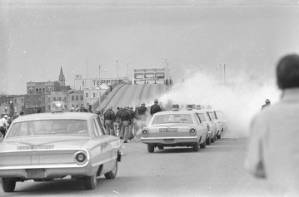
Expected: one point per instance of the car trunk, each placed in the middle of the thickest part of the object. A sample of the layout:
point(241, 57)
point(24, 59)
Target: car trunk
point(39, 151)
point(169, 130)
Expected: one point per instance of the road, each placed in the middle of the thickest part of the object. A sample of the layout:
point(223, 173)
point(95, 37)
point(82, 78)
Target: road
point(214, 171)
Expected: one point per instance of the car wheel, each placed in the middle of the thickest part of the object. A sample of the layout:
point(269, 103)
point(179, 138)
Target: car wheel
point(208, 141)
point(195, 147)
point(90, 182)
point(150, 148)
point(160, 147)
point(203, 145)
point(112, 174)
point(213, 139)
point(8, 185)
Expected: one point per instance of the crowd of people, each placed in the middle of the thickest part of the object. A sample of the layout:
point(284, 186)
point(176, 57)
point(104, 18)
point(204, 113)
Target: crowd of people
point(125, 122)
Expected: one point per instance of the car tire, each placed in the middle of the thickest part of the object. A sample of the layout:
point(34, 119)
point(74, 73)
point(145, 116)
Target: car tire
point(160, 147)
point(195, 147)
point(203, 145)
point(112, 174)
point(213, 139)
point(90, 182)
point(208, 141)
point(8, 185)
point(150, 148)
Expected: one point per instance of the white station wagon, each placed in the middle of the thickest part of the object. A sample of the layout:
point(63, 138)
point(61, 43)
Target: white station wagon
point(175, 128)
point(47, 146)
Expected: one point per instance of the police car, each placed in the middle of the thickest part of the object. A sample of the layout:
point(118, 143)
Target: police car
point(175, 128)
point(47, 146)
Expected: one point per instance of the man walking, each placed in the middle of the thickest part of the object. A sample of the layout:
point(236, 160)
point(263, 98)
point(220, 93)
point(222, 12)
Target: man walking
point(125, 117)
point(273, 151)
point(155, 107)
point(109, 118)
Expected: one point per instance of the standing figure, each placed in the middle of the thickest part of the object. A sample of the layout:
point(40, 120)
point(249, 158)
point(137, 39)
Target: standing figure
point(155, 107)
point(125, 118)
point(273, 152)
point(109, 118)
point(3, 125)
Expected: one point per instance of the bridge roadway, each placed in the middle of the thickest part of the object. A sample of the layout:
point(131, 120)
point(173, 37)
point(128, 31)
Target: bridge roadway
point(214, 171)
point(133, 95)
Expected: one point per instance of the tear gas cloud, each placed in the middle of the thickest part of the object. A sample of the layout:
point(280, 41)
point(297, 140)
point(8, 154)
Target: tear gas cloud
point(239, 98)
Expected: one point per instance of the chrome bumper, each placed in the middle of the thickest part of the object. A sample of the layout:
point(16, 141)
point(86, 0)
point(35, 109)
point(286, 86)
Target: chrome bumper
point(48, 171)
point(169, 140)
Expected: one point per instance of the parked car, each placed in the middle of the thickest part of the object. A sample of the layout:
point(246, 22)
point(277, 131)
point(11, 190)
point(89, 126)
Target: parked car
point(221, 121)
point(47, 146)
point(175, 128)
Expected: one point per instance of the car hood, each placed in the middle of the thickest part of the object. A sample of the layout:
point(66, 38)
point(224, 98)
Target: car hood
point(56, 143)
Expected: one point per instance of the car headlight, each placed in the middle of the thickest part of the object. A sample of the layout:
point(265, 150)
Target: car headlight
point(80, 157)
point(192, 132)
point(144, 132)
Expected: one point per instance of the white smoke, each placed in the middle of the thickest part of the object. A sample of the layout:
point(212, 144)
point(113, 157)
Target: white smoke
point(239, 99)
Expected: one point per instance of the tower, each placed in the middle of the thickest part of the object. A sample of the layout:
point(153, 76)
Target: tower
point(61, 78)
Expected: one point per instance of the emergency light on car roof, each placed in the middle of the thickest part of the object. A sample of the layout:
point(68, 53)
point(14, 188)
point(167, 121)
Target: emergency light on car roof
point(57, 106)
point(175, 107)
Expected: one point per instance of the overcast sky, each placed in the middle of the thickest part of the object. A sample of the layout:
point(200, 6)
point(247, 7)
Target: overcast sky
point(37, 37)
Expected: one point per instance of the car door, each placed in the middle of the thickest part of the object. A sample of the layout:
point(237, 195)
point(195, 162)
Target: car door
point(103, 152)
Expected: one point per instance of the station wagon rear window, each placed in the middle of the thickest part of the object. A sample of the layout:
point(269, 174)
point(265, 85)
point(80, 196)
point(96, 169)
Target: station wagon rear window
point(172, 118)
point(49, 127)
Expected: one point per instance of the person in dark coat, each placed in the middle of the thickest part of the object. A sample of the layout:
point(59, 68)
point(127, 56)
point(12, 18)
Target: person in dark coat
point(109, 118)
point(141, 111)
point(125, 118)
point(155, 107)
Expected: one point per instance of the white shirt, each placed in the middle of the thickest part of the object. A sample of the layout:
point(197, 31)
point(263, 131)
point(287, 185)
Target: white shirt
point(273, 149)
point(3, 122)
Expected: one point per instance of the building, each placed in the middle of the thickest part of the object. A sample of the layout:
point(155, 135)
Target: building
point(75, 99)
point(11, 104)
point(55, 96)
point(48, 86)
point(34, 103)
point(149, 76)
point(92, 83)
point(94, 88)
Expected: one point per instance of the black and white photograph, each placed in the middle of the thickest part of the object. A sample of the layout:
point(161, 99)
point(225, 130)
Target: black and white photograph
point(149, 98)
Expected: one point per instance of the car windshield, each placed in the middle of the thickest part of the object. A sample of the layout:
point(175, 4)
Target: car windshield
point(49, 127)
point(172, 118)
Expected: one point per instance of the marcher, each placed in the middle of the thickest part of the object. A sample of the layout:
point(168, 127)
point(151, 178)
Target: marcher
point(109, 118)
point(125, 117)
point(273, 145)
point(132, 123)
point(3, 125)
point(155, 107)
point(267, 103)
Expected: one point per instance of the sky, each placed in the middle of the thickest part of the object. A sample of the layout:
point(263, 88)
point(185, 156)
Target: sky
point(38, 37)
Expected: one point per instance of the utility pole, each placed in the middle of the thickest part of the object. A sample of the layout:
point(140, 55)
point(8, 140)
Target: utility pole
point(116, 69)
point(224, 73)
point(100, 72)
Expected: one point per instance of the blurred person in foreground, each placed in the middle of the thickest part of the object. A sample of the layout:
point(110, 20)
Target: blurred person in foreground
point(273, 150)
point(267, 104)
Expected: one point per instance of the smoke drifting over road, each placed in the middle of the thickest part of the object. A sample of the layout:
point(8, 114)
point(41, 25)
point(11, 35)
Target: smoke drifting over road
point(239, 98)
